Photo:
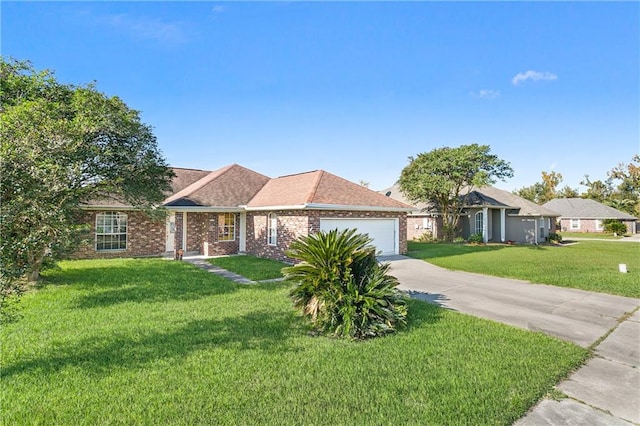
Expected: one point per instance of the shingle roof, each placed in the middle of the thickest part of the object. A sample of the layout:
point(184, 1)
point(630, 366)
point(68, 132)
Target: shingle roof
point(492, 196)
point(320, 189)
point(230, 186)
point(185, 177)
point(584, 208)
point(486, 196)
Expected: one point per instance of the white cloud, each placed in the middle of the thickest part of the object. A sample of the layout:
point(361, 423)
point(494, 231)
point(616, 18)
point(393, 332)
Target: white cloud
point(532, 75)
point(486, 94)
point(148, 28)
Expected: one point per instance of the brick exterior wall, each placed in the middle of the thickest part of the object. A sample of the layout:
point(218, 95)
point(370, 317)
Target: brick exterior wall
point(178, 234)
point(416, 229)
point(295, 223)
point(589, 225)
point(145, 237)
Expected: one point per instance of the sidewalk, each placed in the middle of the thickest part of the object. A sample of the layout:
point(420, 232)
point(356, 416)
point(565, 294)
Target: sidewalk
point(606, 391)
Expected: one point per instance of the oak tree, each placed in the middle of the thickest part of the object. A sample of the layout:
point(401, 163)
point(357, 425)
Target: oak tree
point(444, 177)
point(63, 145)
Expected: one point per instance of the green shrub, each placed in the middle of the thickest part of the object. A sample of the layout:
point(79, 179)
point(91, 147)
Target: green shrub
point(342, 287)
point(476, 238)
point(614, 226)
point(553, 236)
point(425, 237)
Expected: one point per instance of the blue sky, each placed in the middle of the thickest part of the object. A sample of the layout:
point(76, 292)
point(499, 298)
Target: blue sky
point(356, 88)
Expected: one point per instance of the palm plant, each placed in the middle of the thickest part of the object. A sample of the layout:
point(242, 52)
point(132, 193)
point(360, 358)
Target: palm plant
point(342, 287)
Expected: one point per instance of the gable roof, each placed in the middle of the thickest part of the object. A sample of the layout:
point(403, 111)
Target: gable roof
point(185, 177)
point(585, 208)
point(319, 189)
point(228, 187)
point(486, 196)
point(490, 196)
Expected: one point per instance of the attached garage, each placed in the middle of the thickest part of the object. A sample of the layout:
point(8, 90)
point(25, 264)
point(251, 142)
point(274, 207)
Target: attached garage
point(384, 232)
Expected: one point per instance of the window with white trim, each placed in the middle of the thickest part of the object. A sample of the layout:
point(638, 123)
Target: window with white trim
point(575, 224)
point(272, 229)
point(111, 231)
point(226, 227)
point(599, 226)
point(479, 223)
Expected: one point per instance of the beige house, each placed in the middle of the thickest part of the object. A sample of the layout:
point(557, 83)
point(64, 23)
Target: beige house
point(498, 215)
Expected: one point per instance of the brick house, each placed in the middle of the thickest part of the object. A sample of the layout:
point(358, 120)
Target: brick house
point(498, 215)
point(586, 215)
point(236, 210)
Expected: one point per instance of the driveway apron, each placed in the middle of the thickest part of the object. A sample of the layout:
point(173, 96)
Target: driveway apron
point(606, 390)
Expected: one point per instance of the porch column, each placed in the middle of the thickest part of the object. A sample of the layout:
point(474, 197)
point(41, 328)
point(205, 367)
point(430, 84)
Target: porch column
point(485, 224)
point(503, 220)
point(243, 233)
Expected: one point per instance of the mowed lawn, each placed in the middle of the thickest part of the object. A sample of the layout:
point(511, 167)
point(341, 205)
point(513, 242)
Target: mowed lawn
point(587, 265)
point(152, 341)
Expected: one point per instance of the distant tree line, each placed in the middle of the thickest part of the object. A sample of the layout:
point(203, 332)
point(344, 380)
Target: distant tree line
point(621, 189)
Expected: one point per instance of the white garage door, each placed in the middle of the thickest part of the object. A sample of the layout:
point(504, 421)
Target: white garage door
point(384, 232)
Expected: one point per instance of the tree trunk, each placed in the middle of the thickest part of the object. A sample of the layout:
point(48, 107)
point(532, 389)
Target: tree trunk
point(35, 264)
point(34, 274)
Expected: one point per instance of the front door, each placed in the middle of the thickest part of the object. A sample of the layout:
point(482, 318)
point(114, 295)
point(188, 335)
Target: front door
point(171, 232)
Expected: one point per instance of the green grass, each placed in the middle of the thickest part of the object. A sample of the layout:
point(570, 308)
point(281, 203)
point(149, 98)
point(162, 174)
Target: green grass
point(158, 342)
point(254, 268)
point(599, 235)
point(587, 265)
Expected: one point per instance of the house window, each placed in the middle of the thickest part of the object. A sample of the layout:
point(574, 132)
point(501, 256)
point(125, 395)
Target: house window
point(111, 231)
point(599, 226)
point(272, 229)
point(479, 223)
point(226, 227)
point(575, 224)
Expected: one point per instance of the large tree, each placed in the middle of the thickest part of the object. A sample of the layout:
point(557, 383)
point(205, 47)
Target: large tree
point(444, 177)
point(627, 196)
point(541, 192)
point(63, 145)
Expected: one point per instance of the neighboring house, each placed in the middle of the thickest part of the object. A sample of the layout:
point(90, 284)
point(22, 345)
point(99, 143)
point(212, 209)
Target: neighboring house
point(236, 210)
point(498, 215)
point(586, 215)
point(423, 221)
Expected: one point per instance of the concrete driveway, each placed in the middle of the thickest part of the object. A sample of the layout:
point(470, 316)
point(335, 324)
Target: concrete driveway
point(606, 391)
point(579, 316)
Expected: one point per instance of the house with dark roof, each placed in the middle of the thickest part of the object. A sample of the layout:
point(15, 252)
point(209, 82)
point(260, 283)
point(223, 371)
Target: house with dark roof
point(237, 210)
point(498, 215)
point(586, 215)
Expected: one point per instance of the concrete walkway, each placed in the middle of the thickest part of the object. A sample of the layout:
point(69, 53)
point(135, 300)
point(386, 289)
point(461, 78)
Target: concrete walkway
point(201, 262)
point(606, 391)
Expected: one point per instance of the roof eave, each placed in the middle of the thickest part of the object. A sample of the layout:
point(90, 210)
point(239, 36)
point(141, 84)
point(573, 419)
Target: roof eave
point(317, 206)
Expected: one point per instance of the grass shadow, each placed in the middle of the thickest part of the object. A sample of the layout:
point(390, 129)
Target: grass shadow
point(260, 330)
point(421, 313)
point(425, 251)
point(138, 280)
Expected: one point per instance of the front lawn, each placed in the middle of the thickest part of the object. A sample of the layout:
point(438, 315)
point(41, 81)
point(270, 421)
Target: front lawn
point(598, 235)
point(587, 265)
point(254, 268)
point(158, 342)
